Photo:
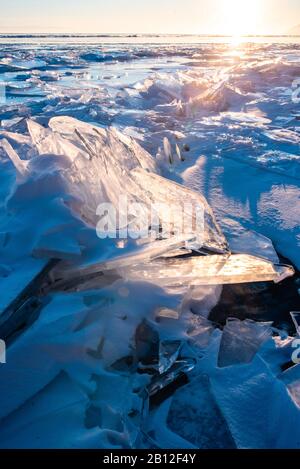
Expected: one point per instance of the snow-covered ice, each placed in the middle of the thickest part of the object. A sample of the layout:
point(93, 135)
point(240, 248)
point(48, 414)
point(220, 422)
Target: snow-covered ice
point(95, 342)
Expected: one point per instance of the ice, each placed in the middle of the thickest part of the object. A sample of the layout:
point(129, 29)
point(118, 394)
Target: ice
point(168, 354)
point(96, 162)
point(241, 340)
point(188, 92)
point(253, 401)
point(48, 143)
point(87, 166)
point(221, 97)
point(130, 307)
point(37, 358)
point(291, 378)
point(174, 372)
point(149, 265)
point(167, 192)
point(169, 154)
point(195, 416)
point(158, 435)
point(60, 401)
point(268, 204)
point(20, 165)
point(145, 253)
point(208, 270)
point(16, 137)
point(125, 150)
point(242, 240)
point(58, 243)
point(286, 163)
point(18, 278)
point(168, 150)
point(246, 118)
point(199, 331)
point(283, 135)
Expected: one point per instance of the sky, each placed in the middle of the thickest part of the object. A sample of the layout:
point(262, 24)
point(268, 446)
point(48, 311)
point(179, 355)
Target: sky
point(234, 17)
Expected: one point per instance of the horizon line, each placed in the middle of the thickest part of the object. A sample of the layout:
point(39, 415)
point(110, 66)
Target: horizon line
point(141, 34)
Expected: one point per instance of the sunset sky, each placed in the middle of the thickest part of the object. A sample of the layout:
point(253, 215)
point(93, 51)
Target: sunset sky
point(234, 17)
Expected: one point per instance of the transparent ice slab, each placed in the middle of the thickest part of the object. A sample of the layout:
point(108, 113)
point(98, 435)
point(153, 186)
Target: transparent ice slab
point(141, 254)
point(161, 381)
point(244, 241)
point(168, 354)
point(167, 272)
point(199, 331)
point(164, 191)
point(207, 270)
point(291, 378)
point(241, 341)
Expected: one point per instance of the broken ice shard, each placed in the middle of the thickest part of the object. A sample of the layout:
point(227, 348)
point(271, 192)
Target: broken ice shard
point(291, 378)
point(168, 193)
point(168, 354)
point(179, 368)
point(241, 341)
point(244, 241)
point(199, 331)
point(21, 166)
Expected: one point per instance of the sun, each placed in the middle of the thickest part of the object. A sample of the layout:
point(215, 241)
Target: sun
point(241, 17)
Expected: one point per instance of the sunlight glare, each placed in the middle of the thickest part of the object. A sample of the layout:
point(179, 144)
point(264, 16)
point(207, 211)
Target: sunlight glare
point(241, 17)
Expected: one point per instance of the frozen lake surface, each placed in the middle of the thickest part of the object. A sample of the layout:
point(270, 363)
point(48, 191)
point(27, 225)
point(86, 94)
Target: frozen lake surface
point(229, 109)
point(235, 105)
